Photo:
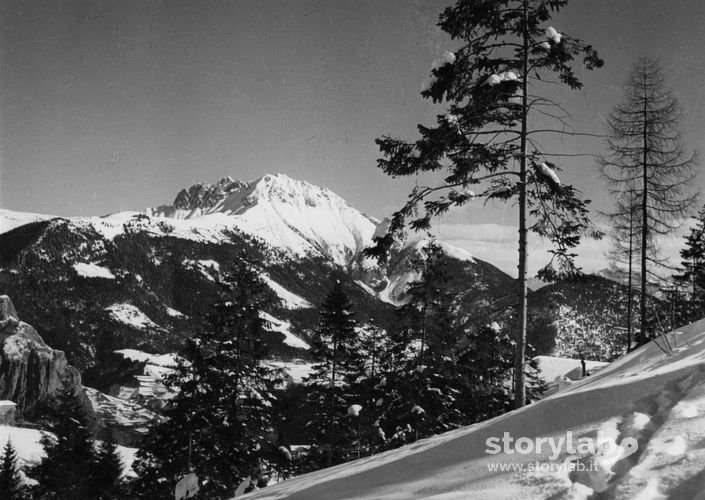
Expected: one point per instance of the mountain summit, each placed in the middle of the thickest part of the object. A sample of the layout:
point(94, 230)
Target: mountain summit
point(294, 216)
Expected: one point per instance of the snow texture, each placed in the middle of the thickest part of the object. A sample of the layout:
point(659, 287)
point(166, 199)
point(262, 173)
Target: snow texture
point(91, 270)
point(164, 360)
point(297, 370)
point(174, 313)
point(553, 367)
point(448, 57)
point(130, 315)
point(9, 219)
point(208, 268)
point(492, 80)
point(549, 173)
point(553, 35)
point(354, 410)
point(288, 299)
point(277, 325)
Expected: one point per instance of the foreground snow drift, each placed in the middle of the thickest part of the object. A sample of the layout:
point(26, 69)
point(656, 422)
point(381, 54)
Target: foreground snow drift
point(651, 404)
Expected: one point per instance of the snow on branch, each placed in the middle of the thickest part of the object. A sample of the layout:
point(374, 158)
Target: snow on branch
point(553, 35)
point(547, 172)
point(447, 58)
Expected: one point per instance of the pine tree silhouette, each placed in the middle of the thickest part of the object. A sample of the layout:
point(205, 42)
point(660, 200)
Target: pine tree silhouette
point(10, 479)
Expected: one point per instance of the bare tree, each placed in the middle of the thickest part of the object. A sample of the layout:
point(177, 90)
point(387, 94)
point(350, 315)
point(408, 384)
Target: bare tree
point(647, 166)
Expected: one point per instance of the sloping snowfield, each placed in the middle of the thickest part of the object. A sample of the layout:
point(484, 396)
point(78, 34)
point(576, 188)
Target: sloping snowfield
point(646, 412)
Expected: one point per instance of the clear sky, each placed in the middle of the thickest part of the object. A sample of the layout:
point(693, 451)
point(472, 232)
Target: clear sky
point(117, 105)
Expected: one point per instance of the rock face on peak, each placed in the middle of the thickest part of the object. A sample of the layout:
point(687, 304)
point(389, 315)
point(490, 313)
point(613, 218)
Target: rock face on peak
point(31, 373)
point(204, 196)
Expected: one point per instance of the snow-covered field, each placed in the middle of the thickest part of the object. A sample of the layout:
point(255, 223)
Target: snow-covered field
point(552, 367)
point(92, 270)
point(649, 403)
point(130, 315)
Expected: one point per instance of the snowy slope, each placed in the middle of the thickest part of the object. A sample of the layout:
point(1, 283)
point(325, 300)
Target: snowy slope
point(553, 367)
point(294, 216)
point(648, 402)
point(10, 219)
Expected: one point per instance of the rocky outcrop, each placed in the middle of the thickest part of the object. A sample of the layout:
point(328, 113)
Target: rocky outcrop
point(206, 195)
point(31, 372)
point(125, 422)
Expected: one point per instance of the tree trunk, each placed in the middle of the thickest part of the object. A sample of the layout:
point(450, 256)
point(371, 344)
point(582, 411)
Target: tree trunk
point(644, 221)
point(629, 284)
point(520, 348)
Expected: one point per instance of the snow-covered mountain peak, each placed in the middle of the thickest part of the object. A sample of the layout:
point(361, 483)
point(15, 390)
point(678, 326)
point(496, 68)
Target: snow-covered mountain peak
point(280, 188)
point(231, 197)
point(291, 215)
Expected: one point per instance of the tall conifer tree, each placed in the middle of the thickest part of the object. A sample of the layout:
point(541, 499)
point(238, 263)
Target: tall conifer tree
point(337, 353)
point(493, 87)
point(11, 487)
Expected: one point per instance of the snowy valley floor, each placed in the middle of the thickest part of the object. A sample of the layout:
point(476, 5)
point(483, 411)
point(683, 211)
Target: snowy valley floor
point(650, 403)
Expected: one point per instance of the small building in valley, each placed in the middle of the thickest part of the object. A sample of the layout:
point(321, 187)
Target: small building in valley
point(8, 410)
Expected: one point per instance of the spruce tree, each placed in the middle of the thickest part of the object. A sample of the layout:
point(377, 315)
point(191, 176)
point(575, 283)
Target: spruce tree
point(423, 393)
point(66, 469)
point(107, 473)
point(494, 86)
point(647, 165)
point(217, 425)
point(336, 350)
point(374, 346)
point(692, 278)
point(10, 479)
